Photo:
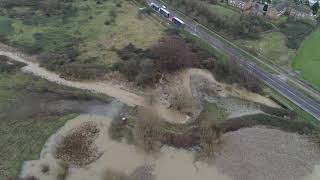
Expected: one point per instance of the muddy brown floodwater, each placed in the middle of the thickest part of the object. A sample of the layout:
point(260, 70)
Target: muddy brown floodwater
point(168, 164)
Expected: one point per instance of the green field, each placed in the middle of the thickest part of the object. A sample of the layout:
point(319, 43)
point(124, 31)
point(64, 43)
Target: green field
point(22, 132)
point(307, 60)
point(271, 46)
point(90, 36)
point(223, 11)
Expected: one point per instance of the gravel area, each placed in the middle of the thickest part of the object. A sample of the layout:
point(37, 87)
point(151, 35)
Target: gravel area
point(259, 153)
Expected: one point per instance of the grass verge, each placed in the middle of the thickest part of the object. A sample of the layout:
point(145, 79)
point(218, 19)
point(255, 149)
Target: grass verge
point(307, 60)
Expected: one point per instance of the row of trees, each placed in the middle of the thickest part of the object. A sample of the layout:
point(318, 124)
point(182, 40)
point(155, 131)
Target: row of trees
point(169, 55)
point(231, 72)
point(172, 54)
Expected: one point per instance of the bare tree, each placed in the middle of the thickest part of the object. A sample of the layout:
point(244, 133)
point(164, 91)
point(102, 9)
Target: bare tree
point(173, 54)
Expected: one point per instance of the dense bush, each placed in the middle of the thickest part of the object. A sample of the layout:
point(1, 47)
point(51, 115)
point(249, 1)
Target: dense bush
point(77, 147)
point(37, 8)
point(7, 66)
point(147, 132)
point(172, 54)
point(137, 64)
point(5, 28)
point(295, 32)
point(60, 51)
point(288, 125)
point(232, 72)
point(143, 66)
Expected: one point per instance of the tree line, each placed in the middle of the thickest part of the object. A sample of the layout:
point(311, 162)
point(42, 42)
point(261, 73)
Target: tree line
point(173, 53)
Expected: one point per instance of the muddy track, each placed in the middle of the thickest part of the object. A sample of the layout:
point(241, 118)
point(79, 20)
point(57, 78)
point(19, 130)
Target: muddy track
point(107, 88)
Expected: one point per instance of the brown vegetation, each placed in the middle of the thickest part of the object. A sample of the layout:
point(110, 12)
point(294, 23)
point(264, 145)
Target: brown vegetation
point(173, 54)
point(140, 173)
point(232, 72)
point(45, 168)
point(62, 172)
point(147, 132)
point(115, 175)
point(145, 66)
point(77, 148)
point(210, 139)
point(29, 178)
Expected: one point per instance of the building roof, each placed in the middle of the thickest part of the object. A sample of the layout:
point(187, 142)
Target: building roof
point(243, 1)
point(281, 6)
point(301, 8)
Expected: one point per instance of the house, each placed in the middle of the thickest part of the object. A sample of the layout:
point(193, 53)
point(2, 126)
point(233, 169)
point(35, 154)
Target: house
point(241, 4)
point(301, 13)
point(277, 10)
point(312, 2)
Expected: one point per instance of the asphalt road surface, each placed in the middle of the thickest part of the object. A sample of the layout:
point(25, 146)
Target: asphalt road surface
point(293, 94)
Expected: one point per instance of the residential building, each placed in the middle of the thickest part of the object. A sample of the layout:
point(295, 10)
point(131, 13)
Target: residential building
point(303, 13)
point(277, 10)
point(241, 4)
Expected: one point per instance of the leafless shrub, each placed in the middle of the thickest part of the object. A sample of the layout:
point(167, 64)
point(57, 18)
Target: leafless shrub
point(210, 139)
point(147, 132)
point(77, 147)
point(315, 137)
point(62, 171)
point(181, 99)
point(143, 173)
point(30, 178)
point(180, 140)
point(45, 168)
point(115, 175)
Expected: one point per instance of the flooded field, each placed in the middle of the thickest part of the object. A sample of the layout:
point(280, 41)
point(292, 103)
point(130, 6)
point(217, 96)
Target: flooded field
point(247, 154)
point(169, 163)
point(242, 156)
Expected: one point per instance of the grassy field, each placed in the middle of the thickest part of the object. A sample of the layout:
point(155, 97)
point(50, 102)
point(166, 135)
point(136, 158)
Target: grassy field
point(279, 21)
point(31, 109)
point(24, 134)
point(93, 32)
point(272, 46)
point(307, 60)
point(223, 11)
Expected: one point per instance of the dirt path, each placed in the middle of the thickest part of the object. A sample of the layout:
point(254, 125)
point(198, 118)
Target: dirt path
point(101, 87)
point(117, 91)
point(107, 88)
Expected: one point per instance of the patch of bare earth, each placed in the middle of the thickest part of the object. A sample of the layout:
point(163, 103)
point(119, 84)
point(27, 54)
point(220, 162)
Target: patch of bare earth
point(77, 147)
point(187, 91)
point(266, 154)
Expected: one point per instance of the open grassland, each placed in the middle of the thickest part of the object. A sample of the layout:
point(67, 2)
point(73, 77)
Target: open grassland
point(224, 11)
point(88, 35)
point(271, 46)
point(307, 60)
point(128, 28)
